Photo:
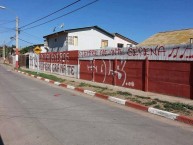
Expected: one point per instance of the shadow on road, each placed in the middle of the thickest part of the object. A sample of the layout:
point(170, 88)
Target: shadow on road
point(1, 141)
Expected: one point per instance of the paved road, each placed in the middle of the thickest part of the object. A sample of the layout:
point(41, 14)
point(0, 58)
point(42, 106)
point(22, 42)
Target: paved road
point(35, 113)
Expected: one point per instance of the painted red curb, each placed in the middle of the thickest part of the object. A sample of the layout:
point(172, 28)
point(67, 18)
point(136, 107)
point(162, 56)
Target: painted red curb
point(102, 96)
point(63, 85)
point(51, 81)
point(185, 119)
point(42, 79)
point(136, 106)
point(79, 90)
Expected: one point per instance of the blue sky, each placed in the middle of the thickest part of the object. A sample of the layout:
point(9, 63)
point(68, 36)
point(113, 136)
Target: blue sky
point(135, 19)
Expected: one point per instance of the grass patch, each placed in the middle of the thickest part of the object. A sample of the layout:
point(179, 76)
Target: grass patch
point(110, 93)
point(142, 97)
point(175, 106)
point(88, 85)
point(124, 93)
point(157, 107)
point(51, 77)
point(98, 87)
point(135, 100)
point(43, 75)
point(150, 103)
point(29, 72)
point(158, 100)
point(83, 85)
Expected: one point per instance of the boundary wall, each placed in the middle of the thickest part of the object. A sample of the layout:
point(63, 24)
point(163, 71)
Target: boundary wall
point(161, 69)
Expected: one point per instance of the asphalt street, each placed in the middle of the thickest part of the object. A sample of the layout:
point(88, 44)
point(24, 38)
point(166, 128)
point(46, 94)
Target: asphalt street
point(35, 113)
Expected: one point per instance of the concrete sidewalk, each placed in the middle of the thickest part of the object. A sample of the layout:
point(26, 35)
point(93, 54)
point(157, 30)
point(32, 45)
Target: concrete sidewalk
point(132, 91)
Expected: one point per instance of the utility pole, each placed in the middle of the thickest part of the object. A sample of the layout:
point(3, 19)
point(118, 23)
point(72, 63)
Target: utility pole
point(4, 52)
point(17, 43)
point(17, 33)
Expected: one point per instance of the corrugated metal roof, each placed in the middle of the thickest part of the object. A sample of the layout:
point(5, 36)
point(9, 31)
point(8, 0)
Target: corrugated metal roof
point(169, 37)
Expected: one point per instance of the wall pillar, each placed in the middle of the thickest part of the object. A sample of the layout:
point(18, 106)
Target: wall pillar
point(93, 70)
point(146, 89)
point(115, 70)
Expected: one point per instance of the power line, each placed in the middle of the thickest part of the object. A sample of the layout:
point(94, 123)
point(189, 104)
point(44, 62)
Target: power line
point(7, 22)
point(6, 31)
point(63, 15)
point(25, 41)
point(31, 35)
point(50, 14)
point(7, 28)
point(9, 42)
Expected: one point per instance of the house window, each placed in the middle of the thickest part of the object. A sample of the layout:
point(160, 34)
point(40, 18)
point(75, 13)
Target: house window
point(70, 40)
point(73, 40)
point(55, 40)
point(129, 45)
point(120, 45)
point(104, 43)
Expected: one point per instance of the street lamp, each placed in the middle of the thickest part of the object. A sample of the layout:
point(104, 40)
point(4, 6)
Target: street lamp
point(16, 38)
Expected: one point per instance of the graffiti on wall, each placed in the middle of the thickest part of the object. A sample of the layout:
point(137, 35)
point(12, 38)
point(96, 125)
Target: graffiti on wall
point(56, 57)
point(107, 70)
point(64, 63)
point(33, 61)
point(169, 52)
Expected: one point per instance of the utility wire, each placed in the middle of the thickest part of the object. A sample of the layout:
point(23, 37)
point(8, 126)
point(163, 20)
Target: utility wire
point(6, 31)
point(50, 14)
point(7, 22)
point(31, 35)
point(63, 15)
point(25, 41)
point(7, 28)
point(9, 42)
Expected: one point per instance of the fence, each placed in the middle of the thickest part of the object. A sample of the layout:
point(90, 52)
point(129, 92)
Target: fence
point(161, 69)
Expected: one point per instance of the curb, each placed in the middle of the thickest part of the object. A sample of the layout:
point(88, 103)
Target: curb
point(166, 114)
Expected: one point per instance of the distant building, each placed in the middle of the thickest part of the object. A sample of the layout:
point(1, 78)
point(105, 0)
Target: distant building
point(184, 36)
point(85, 38)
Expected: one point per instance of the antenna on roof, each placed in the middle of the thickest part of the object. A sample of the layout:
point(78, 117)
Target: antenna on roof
point(61, 26)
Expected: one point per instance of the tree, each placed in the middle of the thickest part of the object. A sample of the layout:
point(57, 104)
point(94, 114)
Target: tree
point(25, 49)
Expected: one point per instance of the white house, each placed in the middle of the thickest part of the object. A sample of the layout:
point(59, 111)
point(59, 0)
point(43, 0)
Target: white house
point(85, 38)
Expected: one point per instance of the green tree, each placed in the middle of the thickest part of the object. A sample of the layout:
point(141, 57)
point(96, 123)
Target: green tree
point(25, 49)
